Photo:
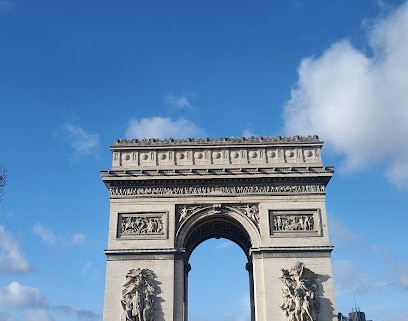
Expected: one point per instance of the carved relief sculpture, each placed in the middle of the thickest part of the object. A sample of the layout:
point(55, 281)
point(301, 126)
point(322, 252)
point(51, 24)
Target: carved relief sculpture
point(126, 192)
point(138, 296)
point(299, 293)
point(293, 222)
point(249, 210)
point(141, 225)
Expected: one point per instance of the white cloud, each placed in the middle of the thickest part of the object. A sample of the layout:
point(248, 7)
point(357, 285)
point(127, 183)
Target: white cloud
point(12, 259)
point(223, 245)
point(348, 278)
point(358, 103)
point(86, 268)
point(162, 127)
point(5, 316)
point(248, 133)
point(180, 102)
point(19, 296)
point(45, 234)
point(402, 275)
point(81, 141)
point(39, 315)
point(79, 314)
point(51, 238)
point(341, 235)
point(77, 239)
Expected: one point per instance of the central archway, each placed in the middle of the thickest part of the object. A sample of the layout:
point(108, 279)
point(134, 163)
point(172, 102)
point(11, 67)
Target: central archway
point(218, 282)
point(235, 222)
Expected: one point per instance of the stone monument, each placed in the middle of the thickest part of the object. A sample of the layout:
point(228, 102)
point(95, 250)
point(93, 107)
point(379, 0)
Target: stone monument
point(265, 194)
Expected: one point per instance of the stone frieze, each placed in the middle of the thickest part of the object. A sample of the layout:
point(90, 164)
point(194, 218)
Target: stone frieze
point(214, 190)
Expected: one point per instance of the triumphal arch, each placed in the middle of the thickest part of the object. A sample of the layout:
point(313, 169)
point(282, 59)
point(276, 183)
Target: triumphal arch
point(265, 194)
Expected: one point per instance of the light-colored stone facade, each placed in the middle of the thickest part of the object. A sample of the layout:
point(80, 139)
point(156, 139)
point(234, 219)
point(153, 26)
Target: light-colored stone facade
point(265, 194)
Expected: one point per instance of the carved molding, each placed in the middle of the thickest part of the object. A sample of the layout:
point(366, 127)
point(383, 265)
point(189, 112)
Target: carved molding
point(219, 171)
point(292, 253)
point(139, 296)
point(214, 190)
point(142, 225)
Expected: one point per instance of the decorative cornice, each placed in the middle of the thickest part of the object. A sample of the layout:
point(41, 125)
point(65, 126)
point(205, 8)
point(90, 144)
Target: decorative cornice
point(242, 171)
point(216, 141)
point(205, 153)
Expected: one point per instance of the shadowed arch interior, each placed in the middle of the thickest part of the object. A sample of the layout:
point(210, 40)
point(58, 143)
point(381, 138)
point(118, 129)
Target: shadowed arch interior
point(220, 226)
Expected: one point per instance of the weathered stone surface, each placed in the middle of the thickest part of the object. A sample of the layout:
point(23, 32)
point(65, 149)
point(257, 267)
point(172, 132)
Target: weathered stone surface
point(168, 196)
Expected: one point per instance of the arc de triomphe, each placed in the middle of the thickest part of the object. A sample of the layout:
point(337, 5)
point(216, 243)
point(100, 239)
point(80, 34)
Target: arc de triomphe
point(265, 194)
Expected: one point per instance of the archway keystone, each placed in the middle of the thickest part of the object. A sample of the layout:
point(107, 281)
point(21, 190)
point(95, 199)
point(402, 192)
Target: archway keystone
point(265, 194)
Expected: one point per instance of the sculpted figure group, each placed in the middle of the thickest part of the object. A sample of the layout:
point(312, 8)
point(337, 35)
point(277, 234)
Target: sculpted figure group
point(249, 210)
point(293, 223)
point(138, 296)
point(142, 225)
point(299, 294)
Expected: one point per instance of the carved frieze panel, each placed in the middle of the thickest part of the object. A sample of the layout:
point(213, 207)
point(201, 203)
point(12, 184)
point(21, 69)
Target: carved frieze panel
point(214, 190)
point(151, 225)
point(292, 223)
point(299, 293)
point(249, 210)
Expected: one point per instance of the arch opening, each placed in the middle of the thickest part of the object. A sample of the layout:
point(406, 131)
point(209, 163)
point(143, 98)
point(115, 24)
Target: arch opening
point(226, 227)
point(219, 287)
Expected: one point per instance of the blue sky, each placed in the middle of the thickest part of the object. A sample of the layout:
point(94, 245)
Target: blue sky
point(76, 75)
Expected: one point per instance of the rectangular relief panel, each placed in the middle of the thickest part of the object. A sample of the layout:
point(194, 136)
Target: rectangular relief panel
point(295, 223)
point(142, 225)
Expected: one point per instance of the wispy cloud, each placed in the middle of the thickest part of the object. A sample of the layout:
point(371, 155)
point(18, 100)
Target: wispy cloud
point(39, 315)
point(358, 102)
point(46, 234)
point(19, 296)
point(223, 245)
point(12, 259)
point(349, 278)
point(77, 239)
point(402, 274)
point(79, 314)
point(179, 102)
point(162, 127)
point(5, 316)
point(86, 268)
point(80, 140)
point(248, 133)
point(341, 235)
